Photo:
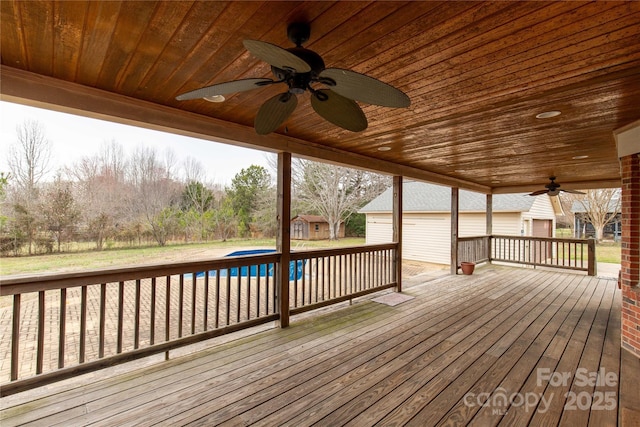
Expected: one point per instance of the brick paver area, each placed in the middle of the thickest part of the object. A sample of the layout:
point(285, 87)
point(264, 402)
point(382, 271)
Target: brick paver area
point(246, 309)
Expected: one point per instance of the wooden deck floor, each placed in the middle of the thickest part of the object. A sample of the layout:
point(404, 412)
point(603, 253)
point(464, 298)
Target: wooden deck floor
point(456, 354)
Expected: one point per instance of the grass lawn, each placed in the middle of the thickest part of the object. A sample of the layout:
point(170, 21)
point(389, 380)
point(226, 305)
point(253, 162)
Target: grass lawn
point(608, 252)
point(147, 255)
point(605, 252)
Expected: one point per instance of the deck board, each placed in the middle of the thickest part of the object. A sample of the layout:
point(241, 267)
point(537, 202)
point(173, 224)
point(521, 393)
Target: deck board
point(368, 363)
point(505, 373)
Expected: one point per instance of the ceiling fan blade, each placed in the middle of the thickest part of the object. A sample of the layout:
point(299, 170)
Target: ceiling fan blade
point(276, 56)
point(274, 112)
point(363, 88)
point(339, 110)
point(225, 88)
point(572, 191)
point(539, 192)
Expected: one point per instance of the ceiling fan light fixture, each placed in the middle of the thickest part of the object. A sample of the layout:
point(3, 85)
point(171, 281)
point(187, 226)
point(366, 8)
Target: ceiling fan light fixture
point(548, 114)
point(554, 192)
point(215, 98)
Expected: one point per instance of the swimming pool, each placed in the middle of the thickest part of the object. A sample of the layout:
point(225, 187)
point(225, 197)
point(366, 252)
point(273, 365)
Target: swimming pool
point(296, 268)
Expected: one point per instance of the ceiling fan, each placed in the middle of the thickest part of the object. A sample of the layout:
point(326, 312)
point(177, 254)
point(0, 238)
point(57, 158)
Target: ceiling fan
point(300, 68)
point(553, 189)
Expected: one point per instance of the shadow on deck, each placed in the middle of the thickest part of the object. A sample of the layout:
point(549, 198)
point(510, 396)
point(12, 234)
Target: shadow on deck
point(505, 346)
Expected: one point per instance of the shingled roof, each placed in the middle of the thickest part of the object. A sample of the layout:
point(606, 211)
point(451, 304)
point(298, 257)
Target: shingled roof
point(424, 197)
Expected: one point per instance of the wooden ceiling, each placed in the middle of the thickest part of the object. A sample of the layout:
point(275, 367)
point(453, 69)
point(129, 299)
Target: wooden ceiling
point(477, 73)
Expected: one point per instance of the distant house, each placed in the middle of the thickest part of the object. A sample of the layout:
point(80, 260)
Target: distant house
point(583, 227)
point(426, 218)
point(311, 227)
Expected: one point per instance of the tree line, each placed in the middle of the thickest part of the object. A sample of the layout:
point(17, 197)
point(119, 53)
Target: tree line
point(147, 197)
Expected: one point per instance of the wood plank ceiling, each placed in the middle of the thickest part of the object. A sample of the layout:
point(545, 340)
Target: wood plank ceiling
point(477, 73)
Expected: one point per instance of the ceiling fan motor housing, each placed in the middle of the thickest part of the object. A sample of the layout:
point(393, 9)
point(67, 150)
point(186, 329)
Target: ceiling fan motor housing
point(298, 82)
point(552, 186)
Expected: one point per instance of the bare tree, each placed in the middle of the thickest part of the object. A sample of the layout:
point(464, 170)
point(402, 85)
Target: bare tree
point(600, 207)
point(154, 192)
point(100, 190)
point(197, 198)
point(59, 211)
point(29, 160)
point(30, 157)
point(334, 192)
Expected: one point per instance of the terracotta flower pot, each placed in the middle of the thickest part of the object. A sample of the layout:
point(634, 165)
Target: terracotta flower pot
point(467, 267)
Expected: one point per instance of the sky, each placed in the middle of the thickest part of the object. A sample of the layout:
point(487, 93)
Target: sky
point(73, 137)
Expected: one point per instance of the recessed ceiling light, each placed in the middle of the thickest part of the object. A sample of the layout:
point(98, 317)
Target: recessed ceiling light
point(579, 157)
point(214, 98)
point(548, 114)
point(385, 148)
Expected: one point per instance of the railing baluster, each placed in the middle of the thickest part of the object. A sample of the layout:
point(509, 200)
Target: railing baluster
point(295, 290)
point(83, 324)
point(167, 309)
point(354, 271)
point(333, 270)
point(238, 295)
point(136, 325)
point(120, 316)
point(205, 326)
point(259, 291)
point(41, 323)
point(103, 303)
point(249, 292)
point(338, 268)
point(323, 283)
point(228, 297)
point(63, 327)
point(372, 270)
point(180, 304)
point(152, 314)
point(194, 284)
point(362, 271)
point(304, 282)
point(15, 338)
point(317, 279)
point(217, 323)
point(274, 302)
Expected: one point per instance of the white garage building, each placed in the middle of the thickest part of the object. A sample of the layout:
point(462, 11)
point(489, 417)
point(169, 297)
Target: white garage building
point(426, 218)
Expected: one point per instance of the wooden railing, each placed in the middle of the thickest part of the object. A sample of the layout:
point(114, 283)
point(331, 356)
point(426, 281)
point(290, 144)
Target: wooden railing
point(474, 249)
point(336, 275)
point(571, 254)
point(94, 319)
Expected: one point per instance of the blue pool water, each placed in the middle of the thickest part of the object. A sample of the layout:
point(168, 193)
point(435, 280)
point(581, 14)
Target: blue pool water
point(296, 268)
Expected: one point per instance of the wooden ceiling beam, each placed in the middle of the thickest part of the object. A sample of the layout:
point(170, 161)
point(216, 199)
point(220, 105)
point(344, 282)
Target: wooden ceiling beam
point(45, 92)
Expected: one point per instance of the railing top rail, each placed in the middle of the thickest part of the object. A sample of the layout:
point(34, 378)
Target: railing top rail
point(543, 239)
point(468, 238)
point(505, 236)
point(16, 284)
point(317, 253)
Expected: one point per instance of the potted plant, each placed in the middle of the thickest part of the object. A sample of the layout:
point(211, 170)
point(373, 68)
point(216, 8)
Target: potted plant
point(467, 267)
